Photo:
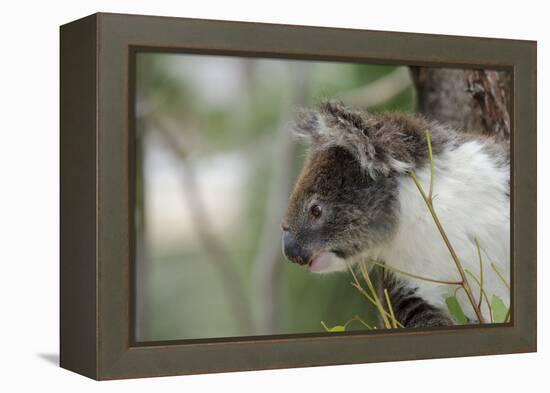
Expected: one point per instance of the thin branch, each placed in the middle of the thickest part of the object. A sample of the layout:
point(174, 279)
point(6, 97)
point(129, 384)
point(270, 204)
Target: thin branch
point(357, 318)
point(214, 249)
point(480, 274)
point(432, 166)
point(390, 307)
point(358, 286)
point(464, 284)
point(381, 309)
point(267, 273)
point(482, 294)
point(395, 270)
point(454, 256)
point(370, 299)
point(380, 91)
point(500, 275)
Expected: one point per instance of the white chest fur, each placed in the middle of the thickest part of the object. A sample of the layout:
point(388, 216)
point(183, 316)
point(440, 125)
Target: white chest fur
point(471, 200)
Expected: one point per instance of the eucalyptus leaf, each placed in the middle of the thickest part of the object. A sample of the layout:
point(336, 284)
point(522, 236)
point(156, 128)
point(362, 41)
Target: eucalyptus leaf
point(499, 309)
point(455, 310)
point(334, 329)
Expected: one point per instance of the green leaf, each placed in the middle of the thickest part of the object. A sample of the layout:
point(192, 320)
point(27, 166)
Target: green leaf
point(455, 310)
point(499, 309)
point(334, 329)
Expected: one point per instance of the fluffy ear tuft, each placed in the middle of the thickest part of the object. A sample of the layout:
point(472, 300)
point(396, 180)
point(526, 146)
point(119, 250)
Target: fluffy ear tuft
point(340, 116)
point(325, 123)
point(379, 146)
point(307, 125)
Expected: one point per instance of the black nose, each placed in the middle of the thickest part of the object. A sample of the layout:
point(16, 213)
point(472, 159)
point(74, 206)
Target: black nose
point(293, 250)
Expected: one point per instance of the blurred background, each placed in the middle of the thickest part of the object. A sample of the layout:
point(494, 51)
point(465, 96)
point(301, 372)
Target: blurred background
point(215, 164)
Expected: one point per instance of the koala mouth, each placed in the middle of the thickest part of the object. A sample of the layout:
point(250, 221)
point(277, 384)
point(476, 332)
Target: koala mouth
point(327, 261)
point(320, 262)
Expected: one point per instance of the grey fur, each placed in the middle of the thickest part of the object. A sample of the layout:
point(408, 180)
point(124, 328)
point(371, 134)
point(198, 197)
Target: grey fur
point(357, 211)
point(383, 144)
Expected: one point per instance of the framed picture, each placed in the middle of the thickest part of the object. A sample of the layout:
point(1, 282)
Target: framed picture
point(242, 196)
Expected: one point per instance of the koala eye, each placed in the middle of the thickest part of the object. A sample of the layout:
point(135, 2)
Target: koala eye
point(315, 210)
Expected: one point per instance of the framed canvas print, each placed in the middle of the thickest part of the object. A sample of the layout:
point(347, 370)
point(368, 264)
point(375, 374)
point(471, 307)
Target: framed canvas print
point(241, 196)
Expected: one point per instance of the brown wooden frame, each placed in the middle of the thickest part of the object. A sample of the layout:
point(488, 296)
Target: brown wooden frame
point(97, 57)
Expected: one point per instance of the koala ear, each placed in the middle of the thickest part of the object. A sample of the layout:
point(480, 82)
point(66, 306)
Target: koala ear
point(326, 124)
point(308, 125)
point(369, 140)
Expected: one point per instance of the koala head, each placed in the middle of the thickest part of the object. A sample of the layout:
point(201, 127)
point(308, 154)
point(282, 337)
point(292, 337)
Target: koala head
point(345, 200)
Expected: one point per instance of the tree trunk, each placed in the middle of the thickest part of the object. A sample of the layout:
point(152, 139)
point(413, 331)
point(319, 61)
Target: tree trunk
point(475, 101)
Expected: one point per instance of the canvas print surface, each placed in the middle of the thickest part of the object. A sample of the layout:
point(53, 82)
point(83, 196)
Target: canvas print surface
point(277, 196)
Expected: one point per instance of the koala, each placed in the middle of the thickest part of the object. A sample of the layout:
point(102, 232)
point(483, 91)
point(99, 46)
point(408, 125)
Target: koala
point(355, 199)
